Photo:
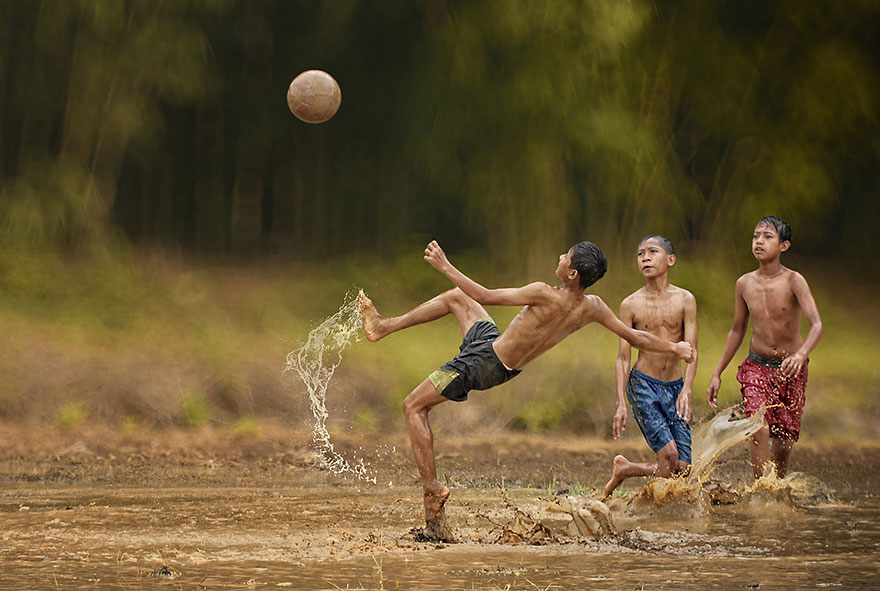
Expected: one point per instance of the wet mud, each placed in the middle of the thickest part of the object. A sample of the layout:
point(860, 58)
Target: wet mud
point(212, 510)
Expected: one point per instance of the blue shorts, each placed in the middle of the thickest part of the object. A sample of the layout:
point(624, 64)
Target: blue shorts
point(653, 406)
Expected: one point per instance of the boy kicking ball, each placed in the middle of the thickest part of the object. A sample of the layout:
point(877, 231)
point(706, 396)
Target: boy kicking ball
point(659, 396)
point(773, 376)
point(488, 358)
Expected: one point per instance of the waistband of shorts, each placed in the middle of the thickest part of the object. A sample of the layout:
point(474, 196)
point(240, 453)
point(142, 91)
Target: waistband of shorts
point(647, 378)
point(504, 365)
point(752, 356)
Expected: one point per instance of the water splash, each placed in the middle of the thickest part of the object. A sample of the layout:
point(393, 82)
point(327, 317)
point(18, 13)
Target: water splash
point(714, 437)
point(709, 441)
point(795, 489)
point(315, 363)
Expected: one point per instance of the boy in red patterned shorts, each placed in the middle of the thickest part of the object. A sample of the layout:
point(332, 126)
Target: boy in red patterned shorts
point(774, 375)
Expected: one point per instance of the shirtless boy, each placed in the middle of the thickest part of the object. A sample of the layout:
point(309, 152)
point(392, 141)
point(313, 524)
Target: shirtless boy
point(488, 358)
point(660, 397)
point(774, 375)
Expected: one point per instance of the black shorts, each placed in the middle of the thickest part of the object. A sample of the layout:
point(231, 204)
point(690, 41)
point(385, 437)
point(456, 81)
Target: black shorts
point(476, 367)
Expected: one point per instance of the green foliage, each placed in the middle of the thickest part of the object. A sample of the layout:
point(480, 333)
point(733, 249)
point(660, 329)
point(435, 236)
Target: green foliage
point(195, 411)
point(130, 337)
point(515, 127)
point(129, 425)
point(366, 418)
point(71, 414)
point(247, 427)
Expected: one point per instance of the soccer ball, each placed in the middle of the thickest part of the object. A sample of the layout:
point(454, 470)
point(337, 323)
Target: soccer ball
point(314, 96)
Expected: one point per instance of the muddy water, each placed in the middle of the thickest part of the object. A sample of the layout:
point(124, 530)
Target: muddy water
point(329, 533)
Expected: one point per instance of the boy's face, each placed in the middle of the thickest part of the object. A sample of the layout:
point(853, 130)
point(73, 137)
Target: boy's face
point(653, 260)
point(563, 269)
point(765, 243)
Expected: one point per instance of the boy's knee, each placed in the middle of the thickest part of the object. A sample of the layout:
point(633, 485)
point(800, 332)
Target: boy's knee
point(409, 405)
point(454, 295)
point(412, 405)
point(668, 455)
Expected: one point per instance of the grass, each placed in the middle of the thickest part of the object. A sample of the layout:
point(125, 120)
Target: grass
point(131, 339)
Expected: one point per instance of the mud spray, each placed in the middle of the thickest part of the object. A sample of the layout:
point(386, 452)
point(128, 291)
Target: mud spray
point(315, 363)
point(709, 441)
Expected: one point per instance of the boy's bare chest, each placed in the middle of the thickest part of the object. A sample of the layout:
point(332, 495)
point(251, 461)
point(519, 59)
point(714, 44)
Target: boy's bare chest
point(771, 299)
point(658, 315)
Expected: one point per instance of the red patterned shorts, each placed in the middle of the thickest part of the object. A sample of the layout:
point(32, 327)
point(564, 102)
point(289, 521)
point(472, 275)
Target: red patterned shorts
point(781, 396)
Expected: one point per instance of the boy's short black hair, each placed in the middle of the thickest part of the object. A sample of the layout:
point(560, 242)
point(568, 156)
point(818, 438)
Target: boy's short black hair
point(665, 244)
point(782, 228)
point(589, 262)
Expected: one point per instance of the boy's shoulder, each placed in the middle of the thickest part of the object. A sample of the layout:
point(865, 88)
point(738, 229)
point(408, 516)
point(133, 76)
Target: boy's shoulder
point(671, 290)
point(747, 278)
point(681, 292)
point(752, 276)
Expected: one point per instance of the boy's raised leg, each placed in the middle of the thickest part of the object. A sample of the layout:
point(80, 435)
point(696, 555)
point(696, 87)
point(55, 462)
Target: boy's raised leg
point(454, 301)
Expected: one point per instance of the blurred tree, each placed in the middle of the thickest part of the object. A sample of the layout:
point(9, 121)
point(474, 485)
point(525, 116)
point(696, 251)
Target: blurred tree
point(516, 127)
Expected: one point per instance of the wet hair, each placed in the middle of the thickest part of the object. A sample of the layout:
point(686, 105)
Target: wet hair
point(782, 228)
point(589, 262)
point(665, 244)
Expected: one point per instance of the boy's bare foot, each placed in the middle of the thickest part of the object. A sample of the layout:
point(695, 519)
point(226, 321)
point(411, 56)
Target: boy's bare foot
point(434, 533)
point(372, 319)
point(435, 499)
point(435, 529)
point(618, 466)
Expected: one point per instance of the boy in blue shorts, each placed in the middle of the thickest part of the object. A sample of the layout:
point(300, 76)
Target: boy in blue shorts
point(659, 394)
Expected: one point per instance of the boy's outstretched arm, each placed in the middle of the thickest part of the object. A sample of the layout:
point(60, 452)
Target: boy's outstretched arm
point(639, 338)
point(624, 356)
point(534, 293)
point(792, 364)
point(683, 404)
point(731, 346)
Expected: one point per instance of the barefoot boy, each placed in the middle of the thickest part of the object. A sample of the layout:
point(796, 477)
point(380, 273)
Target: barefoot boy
point(774, 375)
point(660, 398)
point(488, 358)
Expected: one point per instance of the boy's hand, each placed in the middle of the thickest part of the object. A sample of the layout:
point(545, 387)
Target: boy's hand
point(712, 391)
point(619, 421)
point(683, 405)
point(685, 351)
point(435, 255)
point(792, 365)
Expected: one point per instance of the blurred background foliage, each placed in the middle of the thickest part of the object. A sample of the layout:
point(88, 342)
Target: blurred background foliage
point(162, 212)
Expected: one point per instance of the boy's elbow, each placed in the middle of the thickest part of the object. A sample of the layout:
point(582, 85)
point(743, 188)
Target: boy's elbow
point(639, 341)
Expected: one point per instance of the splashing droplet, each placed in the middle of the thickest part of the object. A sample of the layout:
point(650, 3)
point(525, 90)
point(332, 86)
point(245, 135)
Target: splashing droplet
point(315, 363)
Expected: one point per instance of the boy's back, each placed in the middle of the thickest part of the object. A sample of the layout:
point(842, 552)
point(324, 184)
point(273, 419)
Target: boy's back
point(549, 314)
point(540, 326)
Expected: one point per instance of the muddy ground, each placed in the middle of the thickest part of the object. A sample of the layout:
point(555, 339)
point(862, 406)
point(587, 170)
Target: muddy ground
point(97, 508)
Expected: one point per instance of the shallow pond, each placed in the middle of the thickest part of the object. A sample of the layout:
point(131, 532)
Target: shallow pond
point(327, 533)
